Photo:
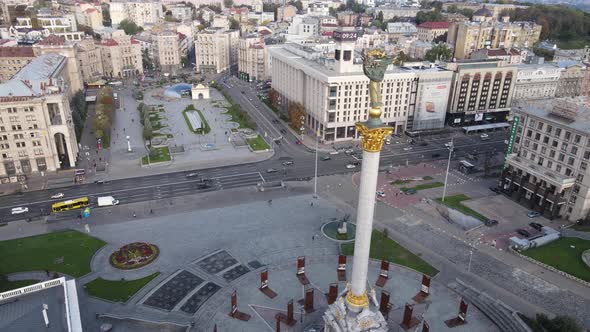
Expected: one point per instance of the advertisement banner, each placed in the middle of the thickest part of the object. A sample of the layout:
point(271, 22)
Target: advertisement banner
point(433, 101)
point(513, 130)
point(478, 116)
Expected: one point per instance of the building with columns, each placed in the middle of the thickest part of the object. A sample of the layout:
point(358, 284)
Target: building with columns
point(168, 51)
point(121, 57)
point(536, 81)
point(334, 91)
point(36, 128)
point(572, 79)
point(90, 59)
point(547, 169)
point(253, 61)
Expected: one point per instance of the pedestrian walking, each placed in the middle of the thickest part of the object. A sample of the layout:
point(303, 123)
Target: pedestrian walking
point(270, 202)
point(313, 238)
point(151, 211)
point(47, 272)
point(311, 204)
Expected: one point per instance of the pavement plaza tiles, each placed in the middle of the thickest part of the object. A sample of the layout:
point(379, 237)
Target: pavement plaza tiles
point(207, 254)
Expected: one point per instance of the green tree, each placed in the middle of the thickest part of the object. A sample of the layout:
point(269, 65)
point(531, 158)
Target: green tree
point(439, 52)
point(234, 24)
point(106, 15)
point(430, 16)
point(228, 3)
point(129, 27)
point(298, 4)
point(147, 61)
point(401, 59)
point(379, 16)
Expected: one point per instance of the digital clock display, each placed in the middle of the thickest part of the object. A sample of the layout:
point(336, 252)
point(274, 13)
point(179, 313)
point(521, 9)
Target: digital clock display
point(345, 35)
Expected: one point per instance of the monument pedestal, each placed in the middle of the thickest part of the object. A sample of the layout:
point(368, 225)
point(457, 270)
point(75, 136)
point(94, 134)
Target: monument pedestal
point(338, 317)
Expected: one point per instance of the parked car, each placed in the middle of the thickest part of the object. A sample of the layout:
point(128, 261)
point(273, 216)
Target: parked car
point(490, 222)
point(523, 232)
point(298, 142)
point(324, 158)
point(350, 166)
point(58, 195)
point(495, 190)
point(423, 144)
point(349, 151)
point(484, 137)
point(533, 214)
point(100, 181)
point(536, 226)
point(380, 194)
point(410, 191)
point(334, 152)
point(271, 170)
point(435, 155)
point(19, 210)
point(288, 163)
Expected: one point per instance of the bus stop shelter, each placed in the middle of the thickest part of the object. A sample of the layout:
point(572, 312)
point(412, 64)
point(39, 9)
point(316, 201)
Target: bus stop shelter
point(485, 127)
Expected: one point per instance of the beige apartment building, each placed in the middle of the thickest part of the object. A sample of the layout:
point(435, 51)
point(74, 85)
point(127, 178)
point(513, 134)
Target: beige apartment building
point(142, 12)
point(252, 59)
point(468, 37)
point(89, 15)
point(121, 57)
point(168, 51)
point(482, 92)
point(90, 59)
point(36, 128)
point(547, 169)
point(216, 50)
point(495, 9)
point(535, 81)
point(12, 59)
point(428, 31)
point(285, 13)
point(58, 45)
point(572, 79)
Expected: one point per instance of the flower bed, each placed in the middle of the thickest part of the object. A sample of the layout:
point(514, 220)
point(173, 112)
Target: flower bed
point(134, 255)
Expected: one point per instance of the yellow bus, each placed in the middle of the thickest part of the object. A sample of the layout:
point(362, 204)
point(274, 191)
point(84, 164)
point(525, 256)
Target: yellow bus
point(71, 204)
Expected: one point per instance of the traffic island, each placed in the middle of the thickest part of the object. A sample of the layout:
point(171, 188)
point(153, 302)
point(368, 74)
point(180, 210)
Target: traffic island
point(257, 143)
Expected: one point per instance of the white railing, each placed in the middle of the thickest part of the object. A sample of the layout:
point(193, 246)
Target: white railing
point(32, 288)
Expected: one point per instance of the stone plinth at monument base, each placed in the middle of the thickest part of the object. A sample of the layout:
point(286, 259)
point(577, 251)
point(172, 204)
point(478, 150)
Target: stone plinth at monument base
point(338, 317)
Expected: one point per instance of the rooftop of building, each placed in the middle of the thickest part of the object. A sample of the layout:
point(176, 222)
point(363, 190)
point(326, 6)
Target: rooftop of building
point(25, 314)
point(503, 52)
point(31, 79)
point(573, 113)
point(434, 25)
point(483, 11)
point(52, 40)
point(16, 52)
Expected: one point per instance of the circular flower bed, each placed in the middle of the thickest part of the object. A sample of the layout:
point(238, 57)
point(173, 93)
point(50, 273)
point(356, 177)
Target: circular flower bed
point(134, 255)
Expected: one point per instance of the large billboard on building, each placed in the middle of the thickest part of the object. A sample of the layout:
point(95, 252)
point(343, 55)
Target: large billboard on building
point(432, 102)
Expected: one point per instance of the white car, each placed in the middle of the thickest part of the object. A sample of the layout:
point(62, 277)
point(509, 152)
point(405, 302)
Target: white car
point(58, 195)
point(448, 145)
point(334, 152)
point(19, 210)
point(484, 135)
point(407, 148)
point(380, 194)
point(350, 166)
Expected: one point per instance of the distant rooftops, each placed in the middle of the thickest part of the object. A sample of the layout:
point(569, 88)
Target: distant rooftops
point(16, 52)
point(434, 25)
point(52, 40)
point(573, 113)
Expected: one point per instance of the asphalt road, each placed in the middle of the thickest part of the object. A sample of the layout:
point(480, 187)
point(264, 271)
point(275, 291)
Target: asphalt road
point(162, 186)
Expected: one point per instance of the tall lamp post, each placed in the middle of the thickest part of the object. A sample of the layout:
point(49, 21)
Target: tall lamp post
point(315, 180)
point(451, 147)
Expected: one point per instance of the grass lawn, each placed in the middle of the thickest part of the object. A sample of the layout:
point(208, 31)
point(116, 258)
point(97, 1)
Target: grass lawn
point(68, 252)
point(206, 126)
point(117, 290)
point(454, 202)
point(159, 154)
point(424, 186)
point(258, 143)
point(6, 285)
point(392, 252)
point(400, 182)
point(562, 256)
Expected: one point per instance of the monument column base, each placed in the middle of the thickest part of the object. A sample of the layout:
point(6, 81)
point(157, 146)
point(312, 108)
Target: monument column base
point(340, 316)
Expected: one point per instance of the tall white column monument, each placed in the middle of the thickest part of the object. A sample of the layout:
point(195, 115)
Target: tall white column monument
point(354, 311)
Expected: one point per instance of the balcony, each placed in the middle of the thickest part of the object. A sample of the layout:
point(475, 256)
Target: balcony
point(560, 181)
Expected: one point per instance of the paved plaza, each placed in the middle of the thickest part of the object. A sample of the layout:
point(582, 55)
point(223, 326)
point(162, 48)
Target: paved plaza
point(207, 253)
point(194, 151)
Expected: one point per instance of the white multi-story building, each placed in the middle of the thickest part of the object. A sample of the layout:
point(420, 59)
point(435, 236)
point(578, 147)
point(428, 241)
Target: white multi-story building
point(334, 92)
point(536, 81)
point(89, 15)
point(142, 12)
point(180, 11)
point(216, 50)
point(63, 26)
point(121, 57)
point(547, 168)
point(169, 54)
point(253, 61)
point(302, 27)
point(36, 128)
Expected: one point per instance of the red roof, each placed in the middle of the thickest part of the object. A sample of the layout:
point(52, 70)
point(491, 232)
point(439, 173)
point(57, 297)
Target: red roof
point(109, 42)
point(264, 32)
point(133, 41)
point(497, 52)
point(90, 10)
point(434, 25)
point(52, 40)
point(16, 52)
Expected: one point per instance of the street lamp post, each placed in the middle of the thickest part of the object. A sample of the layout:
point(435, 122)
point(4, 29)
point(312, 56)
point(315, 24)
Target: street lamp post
point(128, 144)
point(315, 180)
point(448, 166)
point(470, 257)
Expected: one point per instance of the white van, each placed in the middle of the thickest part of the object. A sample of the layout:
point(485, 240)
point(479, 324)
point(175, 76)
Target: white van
point(107, 201)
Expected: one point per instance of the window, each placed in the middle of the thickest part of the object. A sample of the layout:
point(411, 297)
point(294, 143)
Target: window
point(537, 136)
point(554, 143)
point(568, 172)
point(543, 150)
point(564, 147)
point(549, 164)
point(577, 139)
point(568, 135)
point(558, 168)
point(561, 157)
point(540, 126)
point(540, 161)
point(583, 166)
point(529, 133)
point(574, 150)
point(557, 132)
point(570, 161)
point(545, 139)
point(586, 154)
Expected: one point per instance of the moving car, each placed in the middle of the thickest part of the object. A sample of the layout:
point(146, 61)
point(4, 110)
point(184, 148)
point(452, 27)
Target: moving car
point(448, 145)
point(536, 226)
point(288, 163)
point(100, 181)
point(484, 137)
point(407, 148)
point(410, 191)
point(271, 170)
point(350, 166)
point(334, 152)
point(490, 222)
point(107, 201)
point(380, 194)
point(349, 151)
point(298, 142)
point(435, 155)
point(523, 232)
point(58, 195)
point(19, 210)
point(192, 175)
point(533, 214)
point(324, 158)
point(495, 190)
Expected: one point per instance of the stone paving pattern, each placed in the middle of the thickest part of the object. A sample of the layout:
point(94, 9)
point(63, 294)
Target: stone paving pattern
point(196, 300)
point(172, 292)
point(217, 262)
point(235, 273)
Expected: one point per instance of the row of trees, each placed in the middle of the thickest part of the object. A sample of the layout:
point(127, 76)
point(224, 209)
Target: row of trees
point(144, 119)
point(79, 112)
point(103, 117)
